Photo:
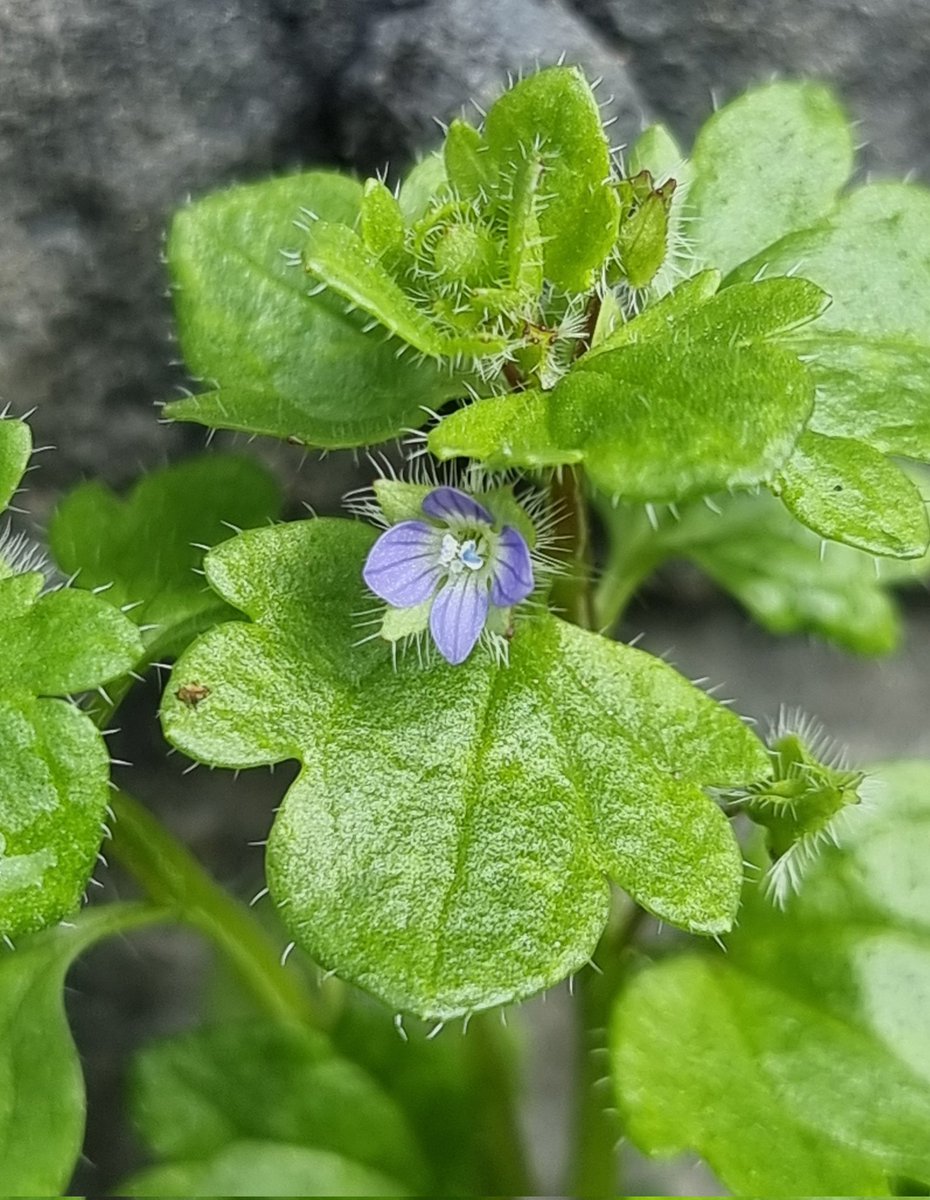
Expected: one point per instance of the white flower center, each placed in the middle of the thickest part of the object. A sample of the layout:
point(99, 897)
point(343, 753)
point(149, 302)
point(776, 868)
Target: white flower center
point(458, 556)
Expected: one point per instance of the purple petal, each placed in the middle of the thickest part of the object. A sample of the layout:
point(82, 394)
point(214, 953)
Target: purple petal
point(403, 565)
point(458, 616)
point(449, 504)
point(513, 569)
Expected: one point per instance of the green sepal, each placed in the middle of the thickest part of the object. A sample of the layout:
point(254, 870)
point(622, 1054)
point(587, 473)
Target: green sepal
point(801, 800)
point(553, 114)
point(15, 449)
point(465, 154)
point(642, 242)
point(583, 759)
point(42, 1116)
point(847, 491)
point(381, 221)
point(525, 244)
point(280, 360)
point(423, 184)
point(770, 162)
point(797, 1063)
point(339, 257)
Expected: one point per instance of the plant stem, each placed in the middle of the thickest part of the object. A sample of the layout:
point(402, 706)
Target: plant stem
point(171, 876)
point(595, 1166)
point(571, 592)
point(500, 1136)
point(635, 550)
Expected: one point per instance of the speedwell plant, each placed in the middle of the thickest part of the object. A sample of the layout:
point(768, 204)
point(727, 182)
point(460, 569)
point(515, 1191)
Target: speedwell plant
point(596, 360)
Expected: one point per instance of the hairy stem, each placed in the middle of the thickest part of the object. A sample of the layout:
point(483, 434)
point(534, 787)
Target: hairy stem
point(172, 877)
point(571, 592)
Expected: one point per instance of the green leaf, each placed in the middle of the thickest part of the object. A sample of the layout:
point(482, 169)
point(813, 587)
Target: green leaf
point(502, 431)
point(264, 1169)
point(281, 361)
point(869, 353)
point(768, 163)
point(872, 256)
point(54, 772)
point(553, 115)
point(871, 389)
point(146, 550)
point(710, 404)
point(42, 1093)
point(15, 449)
point(662, 317)
point(845, 490)
point(436, 1081)
point(799, 1063)
point(447, 842)
point(197, 1093)
point(787, 578)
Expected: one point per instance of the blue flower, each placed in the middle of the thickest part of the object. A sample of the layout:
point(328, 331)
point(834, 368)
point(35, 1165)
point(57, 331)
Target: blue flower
point(456, 562)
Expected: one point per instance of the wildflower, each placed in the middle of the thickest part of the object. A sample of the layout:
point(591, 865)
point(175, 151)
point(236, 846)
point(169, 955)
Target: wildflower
point(455, 563)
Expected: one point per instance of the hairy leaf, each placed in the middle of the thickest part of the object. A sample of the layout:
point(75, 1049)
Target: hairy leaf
point(800, 1063)
point(554, 116)
point(502, 431)
point(447, 842)
point(200, 1092)
point(146, 550)
point(277, 359)
point(770, 162)
point(710, 403)
point(845, 490)
point(41, 1089)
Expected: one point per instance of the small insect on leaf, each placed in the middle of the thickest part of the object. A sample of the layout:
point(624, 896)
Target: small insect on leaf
point(192, 694)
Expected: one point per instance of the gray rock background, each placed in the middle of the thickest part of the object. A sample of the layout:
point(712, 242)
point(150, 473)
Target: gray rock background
point(113, 111)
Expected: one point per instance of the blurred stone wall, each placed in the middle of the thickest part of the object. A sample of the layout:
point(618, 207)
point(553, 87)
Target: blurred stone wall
point(113, 111)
